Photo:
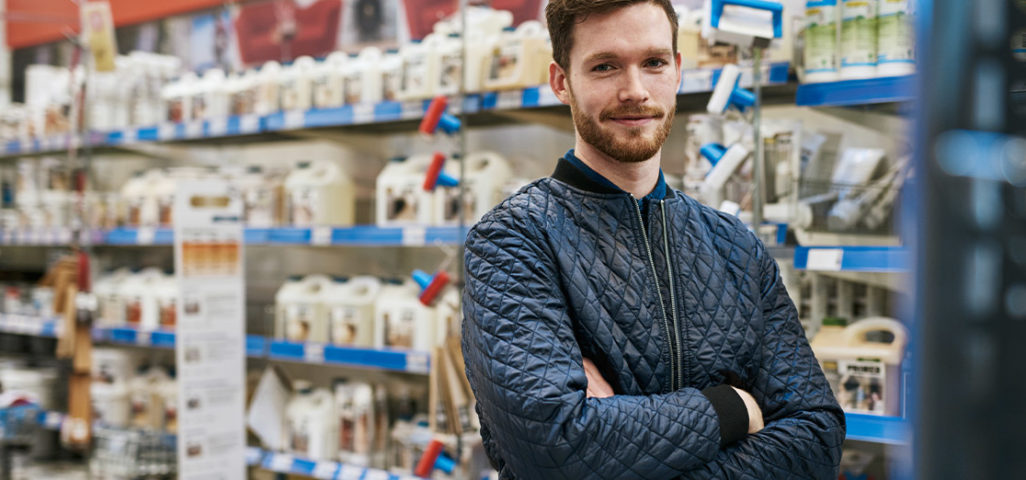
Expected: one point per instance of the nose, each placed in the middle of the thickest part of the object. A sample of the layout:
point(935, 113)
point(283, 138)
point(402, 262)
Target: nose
point(632, 88)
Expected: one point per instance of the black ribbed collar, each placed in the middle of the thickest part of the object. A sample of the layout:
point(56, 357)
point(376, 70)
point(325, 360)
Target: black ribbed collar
point(567, 173)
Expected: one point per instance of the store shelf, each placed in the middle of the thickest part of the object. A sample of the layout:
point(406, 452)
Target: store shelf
point(362, 235)
point(852, 259)
point(256, 346)
point(323, 354)
point(293, 465)
point(694, 81)
point(856, 92)
point(878, 429)
point(28, 325)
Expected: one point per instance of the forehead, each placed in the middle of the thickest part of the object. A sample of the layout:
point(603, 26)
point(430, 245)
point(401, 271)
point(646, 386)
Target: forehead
point(640, 27)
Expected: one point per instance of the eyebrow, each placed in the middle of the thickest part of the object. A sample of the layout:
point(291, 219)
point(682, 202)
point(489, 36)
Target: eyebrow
point(654, 52)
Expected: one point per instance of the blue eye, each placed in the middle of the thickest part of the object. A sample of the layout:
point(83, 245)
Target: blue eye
point(605, 67)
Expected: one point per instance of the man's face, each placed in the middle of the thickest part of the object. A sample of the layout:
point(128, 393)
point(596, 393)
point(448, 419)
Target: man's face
point(623, 79)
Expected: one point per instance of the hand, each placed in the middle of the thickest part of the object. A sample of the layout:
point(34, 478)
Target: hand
point(597, 386)
point(755, 422)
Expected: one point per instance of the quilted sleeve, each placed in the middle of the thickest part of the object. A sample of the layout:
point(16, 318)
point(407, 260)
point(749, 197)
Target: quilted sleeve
point(525, 368)
point(805, 427)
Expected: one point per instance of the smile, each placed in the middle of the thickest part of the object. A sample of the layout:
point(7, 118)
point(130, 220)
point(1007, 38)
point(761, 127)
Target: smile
point(632, 121)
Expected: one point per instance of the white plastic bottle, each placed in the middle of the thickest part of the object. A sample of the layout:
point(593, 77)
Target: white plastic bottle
point(895, 39)
point(391, 76)
point(419, 68)
point(517, 58)
point(262, 196)
point(483, 180)
point(350, 307)
point(300, 313)
point(244, 93)
point(111, 306)
point(268, 87)
point(858, 39)
point(821, 41)
point(352, 80)
point(166, 297)
point(111, 403)
point(369, 64)
point(356, 417)
point(320, 194)
point(401, 199)
point(297, 84)
point(449, 70)
point(329, 81)
point(401, 320)
point(311, 423)
point(215, 95)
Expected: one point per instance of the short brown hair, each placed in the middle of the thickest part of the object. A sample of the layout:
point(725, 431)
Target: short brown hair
point(562, 15)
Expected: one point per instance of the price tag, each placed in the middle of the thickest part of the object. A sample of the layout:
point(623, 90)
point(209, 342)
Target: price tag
point(825, 259)
point(253, 455)
point(325, 470)
point(280, 463)
point(350, 472)
point(129, 135)
point(321, 236)
point(142, 338)
point(8, 236)
point(313, 353)
point(145, 235)
point(697, 81)
point(23, 236)
point(546, 96)
point(218, 127)
point(363, 113)
point(417, 362)
point(414, 236)
point(52, 420)
point(249, 123)
point(412, 109)
point(295, 119)
point(194, 129)
point(510, 100)
point(376, 475)
point(36, 236)
point(64, 235)
point(166, 131)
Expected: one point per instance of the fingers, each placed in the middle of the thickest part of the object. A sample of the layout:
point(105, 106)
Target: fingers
point(597, 386)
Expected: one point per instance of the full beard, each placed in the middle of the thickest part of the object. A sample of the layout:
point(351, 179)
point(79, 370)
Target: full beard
point(636, 148)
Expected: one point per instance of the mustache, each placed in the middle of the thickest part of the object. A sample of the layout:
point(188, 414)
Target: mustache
point(633, 111)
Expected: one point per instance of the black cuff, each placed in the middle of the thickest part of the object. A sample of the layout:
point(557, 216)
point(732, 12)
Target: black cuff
point(731, 411)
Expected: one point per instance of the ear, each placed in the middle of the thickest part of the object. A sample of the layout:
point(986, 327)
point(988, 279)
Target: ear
point(679, 58)
point(558, 83)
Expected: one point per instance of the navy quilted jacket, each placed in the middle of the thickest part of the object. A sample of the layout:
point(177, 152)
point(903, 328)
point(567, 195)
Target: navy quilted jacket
point(568, 268)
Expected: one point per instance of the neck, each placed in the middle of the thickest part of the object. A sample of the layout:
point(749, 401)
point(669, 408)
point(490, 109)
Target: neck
point(636, 178)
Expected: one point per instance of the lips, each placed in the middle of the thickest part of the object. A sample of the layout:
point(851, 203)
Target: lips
point(632, 121)
point(634, 117)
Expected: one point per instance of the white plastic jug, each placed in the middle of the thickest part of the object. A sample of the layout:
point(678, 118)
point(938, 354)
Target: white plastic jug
point(356, 422)
point(135, 195)
point(391, 76)
point(263, 196)
point(35, 383)
point(401, 321)
point(243, 93)
point(146, 392)
point(166, 296)
point(311, 423)
point(350, 307)
point(215, 94)
point(368, 66)
point(138, 293)
point(111, 403)
point(517, 58)
point(300, 313)
point(401, 199)
point(268, 87)
point(110, 308)
point(420, 68)
point(864, 375)
point(329, 81)
point(484, 174)
point(297, 84)
point(319, 193)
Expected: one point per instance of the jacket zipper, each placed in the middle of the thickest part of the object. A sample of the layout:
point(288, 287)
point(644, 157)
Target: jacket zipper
point(673, 296)
point(662, 307)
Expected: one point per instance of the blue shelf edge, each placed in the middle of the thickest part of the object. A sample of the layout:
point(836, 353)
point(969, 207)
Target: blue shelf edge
point(878, 429)
point(856, 92)
point(860, 259)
